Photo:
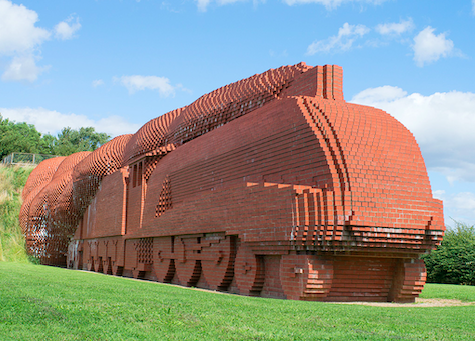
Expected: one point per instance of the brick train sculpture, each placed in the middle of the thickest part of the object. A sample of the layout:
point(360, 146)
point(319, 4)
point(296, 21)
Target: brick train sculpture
point(272, 186)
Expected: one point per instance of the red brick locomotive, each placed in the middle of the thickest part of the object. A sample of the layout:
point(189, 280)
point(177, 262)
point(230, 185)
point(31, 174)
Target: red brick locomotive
point(271, 186)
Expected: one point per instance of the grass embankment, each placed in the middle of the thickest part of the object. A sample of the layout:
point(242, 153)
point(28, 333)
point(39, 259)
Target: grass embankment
point(47, 303)
point(12, 242)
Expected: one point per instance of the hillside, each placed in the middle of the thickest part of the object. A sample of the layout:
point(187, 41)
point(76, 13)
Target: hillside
point(12, 180)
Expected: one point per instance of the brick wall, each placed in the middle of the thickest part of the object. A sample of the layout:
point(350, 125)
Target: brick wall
point(272, 186)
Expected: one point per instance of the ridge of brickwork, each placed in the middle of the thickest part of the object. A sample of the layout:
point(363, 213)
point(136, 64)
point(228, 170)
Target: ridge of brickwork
point(150, 136)
point(88, 174)
point(42, 174)
point(212, 110)
point(43, 208)
point(39, 178)
point(50, 213)
point(232, 101)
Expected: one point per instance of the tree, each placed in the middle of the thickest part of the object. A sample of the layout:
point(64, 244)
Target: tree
point(454, 260)
point(18, 138)
point(47, 144)
point(70, 141)
point(24, 138)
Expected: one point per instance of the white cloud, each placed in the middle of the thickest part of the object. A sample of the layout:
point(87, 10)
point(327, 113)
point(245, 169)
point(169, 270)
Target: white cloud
point(51, 121)
point(115, 126)
point(21, 40)
point(473, 7)
point(330, 4)
point(347, 34)
point(203, 4)
point(18, 33)
point(97, 82)
point(226, 2)
point(395, 28)
point(23, 68)
point(429, 47)
point(65, 29)
point(464, 201)
point(137, 82)
point(438, 194)
point(383, 94)
point(443, 124)
point(459, 206)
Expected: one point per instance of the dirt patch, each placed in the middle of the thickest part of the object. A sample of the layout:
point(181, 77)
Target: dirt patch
point(420, 302)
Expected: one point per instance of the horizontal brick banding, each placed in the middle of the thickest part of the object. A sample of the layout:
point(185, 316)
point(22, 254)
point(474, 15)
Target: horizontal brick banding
point(272, 186)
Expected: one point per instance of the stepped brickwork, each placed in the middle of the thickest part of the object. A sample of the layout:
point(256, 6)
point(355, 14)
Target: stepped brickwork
point(272, 186)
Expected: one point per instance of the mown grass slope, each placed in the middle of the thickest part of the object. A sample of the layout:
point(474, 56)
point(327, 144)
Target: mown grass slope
point(47, 303)
point(12, 242)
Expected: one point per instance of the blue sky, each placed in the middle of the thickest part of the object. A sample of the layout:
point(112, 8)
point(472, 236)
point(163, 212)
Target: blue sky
point(117, 64)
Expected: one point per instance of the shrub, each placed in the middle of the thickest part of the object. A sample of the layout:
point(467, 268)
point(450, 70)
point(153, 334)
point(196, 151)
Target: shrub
point(12, 241)
point(454, 260)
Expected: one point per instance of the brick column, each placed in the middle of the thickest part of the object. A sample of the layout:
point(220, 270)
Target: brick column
point(306, 277)
point(408, 281)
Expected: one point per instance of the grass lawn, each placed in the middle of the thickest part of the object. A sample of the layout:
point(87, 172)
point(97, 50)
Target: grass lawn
point(46, 303)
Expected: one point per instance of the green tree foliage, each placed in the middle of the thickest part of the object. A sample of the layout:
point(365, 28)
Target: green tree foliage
point(18, 137)
point(70, 141)
point(47, 144)
point(24, 138)
point(454, 260)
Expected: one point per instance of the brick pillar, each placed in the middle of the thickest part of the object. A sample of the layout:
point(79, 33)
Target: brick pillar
point(306, 277)
point(332, 82)
point(408, 281)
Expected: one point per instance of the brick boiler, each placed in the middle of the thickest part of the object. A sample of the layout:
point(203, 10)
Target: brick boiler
point(272, 186)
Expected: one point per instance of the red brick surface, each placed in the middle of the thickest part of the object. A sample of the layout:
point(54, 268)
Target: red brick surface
point(271, 186)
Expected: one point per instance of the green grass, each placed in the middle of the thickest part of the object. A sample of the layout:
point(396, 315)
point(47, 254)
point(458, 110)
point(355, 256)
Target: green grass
point(12, 242)
point(47, 303)
point(449, 291)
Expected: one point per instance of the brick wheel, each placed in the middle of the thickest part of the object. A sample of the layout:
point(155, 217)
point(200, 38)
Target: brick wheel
point(98, 265)
point(90, 264)
point(249, 271)
point(188, 268)
point(163, 264)
point(217, 262)
point(188, 272)
point(107, 266)
point(117, 270)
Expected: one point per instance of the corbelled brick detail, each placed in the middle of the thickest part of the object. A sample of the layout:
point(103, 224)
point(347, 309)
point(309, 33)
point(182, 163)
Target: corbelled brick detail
point(271, 186)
